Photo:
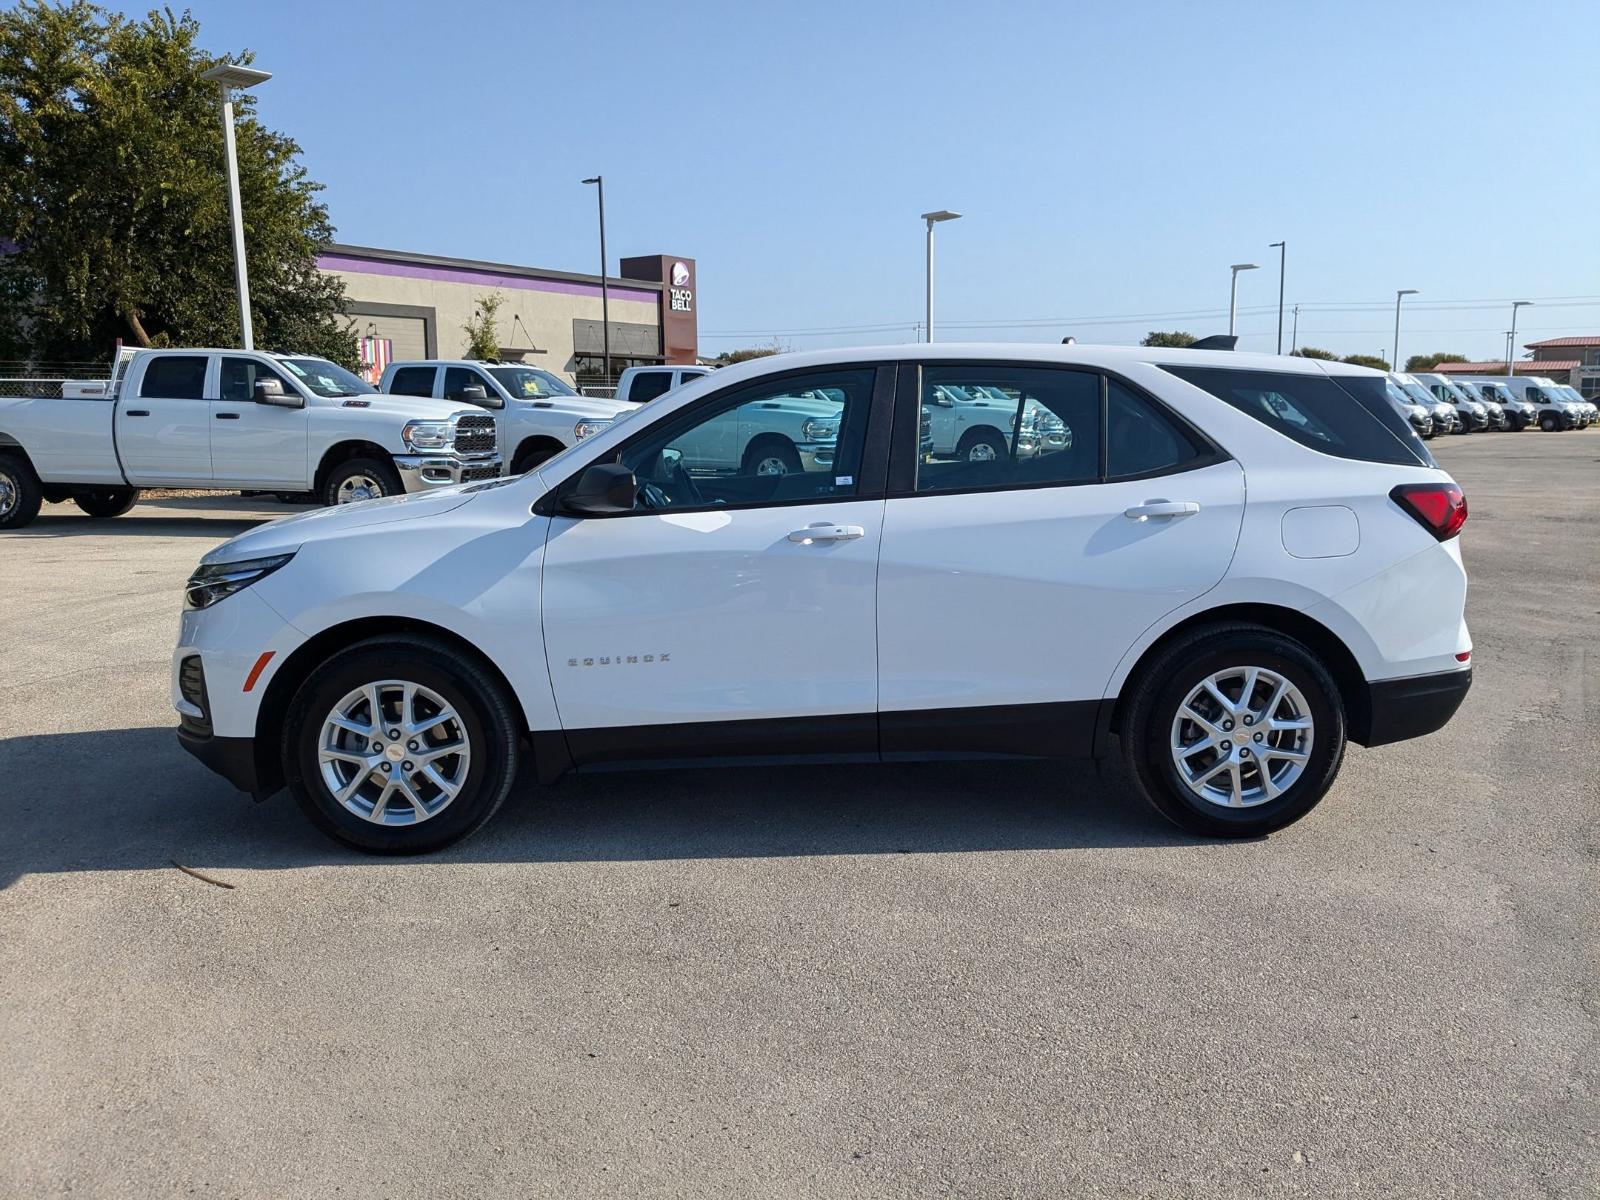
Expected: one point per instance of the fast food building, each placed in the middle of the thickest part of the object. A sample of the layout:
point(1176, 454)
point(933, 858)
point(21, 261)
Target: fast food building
point(405, 305)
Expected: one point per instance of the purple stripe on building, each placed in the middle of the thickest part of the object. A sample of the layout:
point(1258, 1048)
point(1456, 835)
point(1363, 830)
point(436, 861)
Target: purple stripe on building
point(370, 266)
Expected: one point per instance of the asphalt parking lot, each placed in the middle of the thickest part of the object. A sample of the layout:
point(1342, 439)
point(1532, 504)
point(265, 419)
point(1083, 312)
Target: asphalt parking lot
point(980, 980)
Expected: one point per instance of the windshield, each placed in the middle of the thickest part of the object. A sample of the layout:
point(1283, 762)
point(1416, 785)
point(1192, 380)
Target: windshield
point(326, 379)
point(530, 383)
point(1470, 388)
point(1418, 393)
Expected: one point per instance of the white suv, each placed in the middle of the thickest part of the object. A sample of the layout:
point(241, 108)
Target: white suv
point(1228, 564)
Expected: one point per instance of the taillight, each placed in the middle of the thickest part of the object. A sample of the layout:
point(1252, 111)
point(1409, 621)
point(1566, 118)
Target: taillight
point(1440, 508)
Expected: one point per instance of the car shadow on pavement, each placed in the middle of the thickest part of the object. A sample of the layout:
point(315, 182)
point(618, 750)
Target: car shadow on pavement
point(131, 799)
point(163, 516)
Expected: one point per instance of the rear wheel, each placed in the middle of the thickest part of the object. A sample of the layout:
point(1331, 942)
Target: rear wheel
point(20, 494)
point(1234, 731)
point(400, 746)
point(107, 502)
point(359, 479)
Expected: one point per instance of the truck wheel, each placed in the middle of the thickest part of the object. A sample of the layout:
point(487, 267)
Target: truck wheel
point(1234, 731)
point(982, 445)
point(107, 502)
point(20, 495)
point(531, 457)
point(400, 746)
point(771, 457)
point(1548, 423)
point(358, 479)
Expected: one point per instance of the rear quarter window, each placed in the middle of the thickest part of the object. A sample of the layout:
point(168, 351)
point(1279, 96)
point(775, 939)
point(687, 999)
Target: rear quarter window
point(1348, 416)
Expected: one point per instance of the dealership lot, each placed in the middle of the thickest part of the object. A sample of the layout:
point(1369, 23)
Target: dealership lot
point(986, 979)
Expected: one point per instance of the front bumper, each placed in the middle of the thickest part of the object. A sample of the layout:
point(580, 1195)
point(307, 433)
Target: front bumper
point(816, 457)
point(1475, 422)
point(1393, 710)
point(234, 758)
point(423, 472)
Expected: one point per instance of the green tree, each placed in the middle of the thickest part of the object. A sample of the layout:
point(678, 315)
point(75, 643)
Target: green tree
point(728, 357)
point(1176, 339)
point(1427, 362)
point(113, 196)
point(482, 339)
point(1313, 352)
point(1367, 360)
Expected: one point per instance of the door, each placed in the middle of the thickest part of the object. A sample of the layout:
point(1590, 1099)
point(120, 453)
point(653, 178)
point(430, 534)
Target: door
point(1010, 588)
point(729, 613)
point(164, 432)
point(256, 445)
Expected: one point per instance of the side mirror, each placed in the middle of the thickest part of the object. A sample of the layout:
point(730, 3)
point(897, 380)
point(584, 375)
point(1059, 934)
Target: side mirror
point(270, 391)
point(602, 490)
point(474, 393)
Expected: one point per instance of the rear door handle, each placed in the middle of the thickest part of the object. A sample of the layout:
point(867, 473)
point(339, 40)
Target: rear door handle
point(1161, 508)
point(826, 531)
point(227, 416)
point(137, 412)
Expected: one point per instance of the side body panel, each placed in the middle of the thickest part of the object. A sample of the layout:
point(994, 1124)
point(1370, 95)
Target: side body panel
point(164, 441)
point(68, 441)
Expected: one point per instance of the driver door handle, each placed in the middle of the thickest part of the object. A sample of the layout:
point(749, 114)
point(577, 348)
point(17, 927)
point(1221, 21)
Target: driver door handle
point(826, 531)
point(1161, 508)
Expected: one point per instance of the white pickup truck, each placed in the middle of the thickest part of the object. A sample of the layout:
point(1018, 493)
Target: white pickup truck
point(539, 415)
point(232, 419)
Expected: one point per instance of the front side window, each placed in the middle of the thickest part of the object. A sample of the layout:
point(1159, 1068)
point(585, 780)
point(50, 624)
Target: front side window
point(530, 383)
point(986, 427)
point(174, 377)
point(778, 442)
point(412, 381)
point(238, 379)
point(1348, 416)
point(458, 379)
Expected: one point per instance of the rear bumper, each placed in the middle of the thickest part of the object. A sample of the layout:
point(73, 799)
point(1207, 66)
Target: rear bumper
point(1397, 709)
point(234, 758)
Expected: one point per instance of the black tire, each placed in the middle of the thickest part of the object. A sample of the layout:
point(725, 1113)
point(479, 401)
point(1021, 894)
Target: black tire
point(488, 716)
point(20, 493)
point(771, 450)
point(380, 472)
point(974, 438)
point(530, 458)
point(1165, 683)
point(1548, 423)
point(106, 502)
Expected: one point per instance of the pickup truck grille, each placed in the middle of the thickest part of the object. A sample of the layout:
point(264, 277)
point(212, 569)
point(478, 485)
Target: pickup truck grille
point(476, 474)
point(474, 435)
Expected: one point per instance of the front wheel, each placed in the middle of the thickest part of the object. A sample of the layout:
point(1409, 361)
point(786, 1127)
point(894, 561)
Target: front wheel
point(1234, 731)
point(400, 746)
point(772, 457)
point(107, 502)
point(1548, 423)
point(359, 479)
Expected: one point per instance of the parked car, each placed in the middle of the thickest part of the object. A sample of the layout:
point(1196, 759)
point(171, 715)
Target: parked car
point(227, 420)
point(1519, 413)
point(1499, 419)
point(640, 385)
point(1445, 417)
point(395, 666)
point(1474, 416)
point(539, 414)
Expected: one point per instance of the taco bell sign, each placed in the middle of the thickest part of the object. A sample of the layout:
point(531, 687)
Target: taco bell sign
point(679, 327)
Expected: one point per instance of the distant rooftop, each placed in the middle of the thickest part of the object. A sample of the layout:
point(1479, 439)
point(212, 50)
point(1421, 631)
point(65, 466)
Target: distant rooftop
point(1587, 339)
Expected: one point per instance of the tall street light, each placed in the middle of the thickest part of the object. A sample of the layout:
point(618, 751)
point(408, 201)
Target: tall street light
point(933, 218)
point(228, 77)
point(1400, 294)
point(1283, 253)
point(1233, 293)
point(599, 182)
point(1511, 345)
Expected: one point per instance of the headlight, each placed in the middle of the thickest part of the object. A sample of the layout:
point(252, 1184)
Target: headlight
point(584, 429)
point(428, 435)
point(216, 581)
point(820, 429)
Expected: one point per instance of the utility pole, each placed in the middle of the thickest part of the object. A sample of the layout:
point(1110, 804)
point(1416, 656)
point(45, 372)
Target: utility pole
point(605, 292)
point(1283, 254)
point(1294, 337)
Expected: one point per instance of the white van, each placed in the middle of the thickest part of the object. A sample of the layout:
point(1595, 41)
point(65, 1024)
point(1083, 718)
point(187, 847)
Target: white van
point(1555, 410)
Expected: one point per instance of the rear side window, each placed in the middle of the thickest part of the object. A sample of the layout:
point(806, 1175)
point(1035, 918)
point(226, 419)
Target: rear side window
point(412, 381)
point(174, 377)
point(647, 385)
point(1142, 441)
point(1345, 415)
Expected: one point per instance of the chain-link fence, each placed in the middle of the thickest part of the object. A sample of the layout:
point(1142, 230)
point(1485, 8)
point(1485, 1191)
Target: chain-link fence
point(19, 378)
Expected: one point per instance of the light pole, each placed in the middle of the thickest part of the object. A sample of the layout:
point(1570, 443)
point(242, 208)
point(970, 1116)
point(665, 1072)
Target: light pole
point(1294, 336)
point(229, 76)
point(599, 182)
point(1233, 293)
point(933, 218)
point(1400, 294)
point(1283, 254)
point(1511, 338)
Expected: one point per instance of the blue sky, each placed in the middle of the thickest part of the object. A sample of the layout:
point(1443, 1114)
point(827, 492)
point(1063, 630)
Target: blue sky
point(1111, 160)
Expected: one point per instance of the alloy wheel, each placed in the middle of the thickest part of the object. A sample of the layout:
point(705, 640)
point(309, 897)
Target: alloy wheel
point(1242, 737)
point(772, 464)
point(10, 494)
point(394, 752)
point(359, 487)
